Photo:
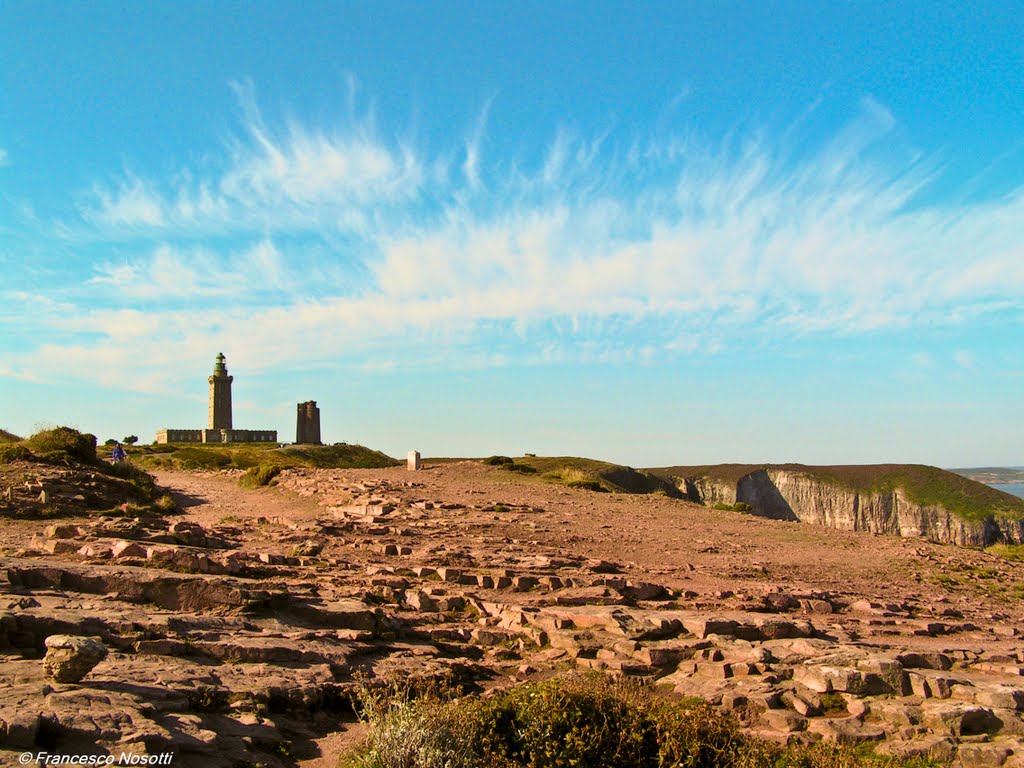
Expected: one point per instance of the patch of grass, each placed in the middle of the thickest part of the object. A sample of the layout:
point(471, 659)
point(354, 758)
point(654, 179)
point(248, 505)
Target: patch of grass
point(739, 506)
point(833, 704)
point(259, 476)
point(8, 437)
point(166, 504)
point(1012, 552)
point(201, 458)
point(574, 720)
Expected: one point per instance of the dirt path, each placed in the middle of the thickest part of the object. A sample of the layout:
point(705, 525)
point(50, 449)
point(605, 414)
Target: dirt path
point(209, 498)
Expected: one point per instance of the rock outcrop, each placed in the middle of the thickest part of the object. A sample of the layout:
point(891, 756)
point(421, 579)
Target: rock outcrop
point(788, 494)
point(240, 642)
point(69, 658)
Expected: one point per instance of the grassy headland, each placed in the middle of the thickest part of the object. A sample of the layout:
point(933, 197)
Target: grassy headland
point(591, 474)
point(922, 484)
point(249, 455)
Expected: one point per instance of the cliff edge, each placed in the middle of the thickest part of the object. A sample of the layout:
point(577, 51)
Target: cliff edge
point(904, 499)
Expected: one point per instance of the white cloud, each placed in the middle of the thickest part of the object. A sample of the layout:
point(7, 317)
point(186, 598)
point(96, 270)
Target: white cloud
point(293, 178)
point(474, 140)
point(922, 360)
point(131, 205)
point(3, 157)
point(168, 273)
point(337, 244)
point(964, 359)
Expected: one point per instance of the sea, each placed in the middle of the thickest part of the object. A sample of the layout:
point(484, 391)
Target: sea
point(1017, 489)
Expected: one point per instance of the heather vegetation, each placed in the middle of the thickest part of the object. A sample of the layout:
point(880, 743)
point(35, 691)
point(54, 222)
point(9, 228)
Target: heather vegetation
point(580, 721)
point(249, 455)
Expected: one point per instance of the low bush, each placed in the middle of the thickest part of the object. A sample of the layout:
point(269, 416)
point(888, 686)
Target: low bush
point(259, 476)
point(14, 452)
point(497, 461)
point(63, 444)
point(408, 732)
point(141, 481)
point(525, 469)
point(577, 721)
point(590, 485)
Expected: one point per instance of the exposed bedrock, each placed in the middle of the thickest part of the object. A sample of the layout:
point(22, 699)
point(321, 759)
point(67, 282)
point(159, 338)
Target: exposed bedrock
point(789, 495)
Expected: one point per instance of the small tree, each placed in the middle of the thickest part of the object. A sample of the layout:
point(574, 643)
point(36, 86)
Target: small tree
point(111, 441)
point(131, 440)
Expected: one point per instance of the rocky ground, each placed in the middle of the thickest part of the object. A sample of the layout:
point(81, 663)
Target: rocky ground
point(237, 628)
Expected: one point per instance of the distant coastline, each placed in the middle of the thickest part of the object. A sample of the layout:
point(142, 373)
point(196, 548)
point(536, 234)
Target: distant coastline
point(994, 476)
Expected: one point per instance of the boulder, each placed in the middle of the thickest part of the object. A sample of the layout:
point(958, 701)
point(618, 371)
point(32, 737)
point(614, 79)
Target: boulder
point(69, 658)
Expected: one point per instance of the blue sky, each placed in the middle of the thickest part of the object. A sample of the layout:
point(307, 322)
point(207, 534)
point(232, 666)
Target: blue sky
point(688, 233)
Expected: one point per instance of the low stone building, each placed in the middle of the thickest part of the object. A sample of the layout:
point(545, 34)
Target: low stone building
point(220, 421)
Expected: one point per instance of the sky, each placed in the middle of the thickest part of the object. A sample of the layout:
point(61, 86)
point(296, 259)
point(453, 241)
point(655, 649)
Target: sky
point(672, 233)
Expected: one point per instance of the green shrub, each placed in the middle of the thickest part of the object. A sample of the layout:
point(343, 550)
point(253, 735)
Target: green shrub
point(257, 477)
point(15, 452)
point(525, 469)
point(142, 482)
point(64, 443)
point(590, 485)
point(576, 722)
point(497, 461)
point(8, 437)
point(404, 732)
point(566, 722)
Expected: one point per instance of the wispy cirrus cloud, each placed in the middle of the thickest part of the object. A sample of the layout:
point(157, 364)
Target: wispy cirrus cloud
point(339, 243)
point(291, 178)
point(170, 273)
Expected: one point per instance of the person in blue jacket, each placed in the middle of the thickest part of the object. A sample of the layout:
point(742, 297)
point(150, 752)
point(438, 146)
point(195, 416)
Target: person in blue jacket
point(119, 454)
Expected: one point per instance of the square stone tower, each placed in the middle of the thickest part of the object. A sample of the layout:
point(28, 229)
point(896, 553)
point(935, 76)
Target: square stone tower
point(307, 423)
point(220, 395)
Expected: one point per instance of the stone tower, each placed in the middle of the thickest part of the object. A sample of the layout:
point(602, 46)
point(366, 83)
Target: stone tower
point(220, 395)
point(307, 423)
